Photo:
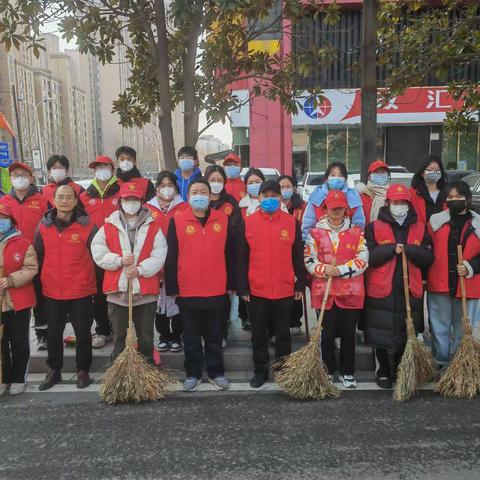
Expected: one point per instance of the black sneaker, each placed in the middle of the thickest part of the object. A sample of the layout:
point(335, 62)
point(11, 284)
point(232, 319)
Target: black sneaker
point(258, 380)
point(53, 377)
point(246, 325)
point(163, 346)
point(384, 381)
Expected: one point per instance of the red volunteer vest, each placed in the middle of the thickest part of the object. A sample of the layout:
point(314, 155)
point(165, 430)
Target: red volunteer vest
point(367, 203)
point(163, 219)
point(13, 257)
point(236, 188)
point(68, 270)
point(348, 293)
point(148, 286)
point(226, 208)
point(379, 280)
point(49, 190)
point(99, 209)
point(437, 278)
point(270, 238)
point(27, 214)
point(202, 270)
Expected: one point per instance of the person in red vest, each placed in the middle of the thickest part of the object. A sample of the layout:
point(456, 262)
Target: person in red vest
point(167, 204)
point(334, 239)
point(397, 228)
point(429, 188)
point(234, 185)
point(67, 275)
point(273, 275)
point(127, 171)
point(58, 166)
point(374, 192)
point(199, 271)
point(28, 206)
point(131, 248)
point(458, 225)
point(20, 266)
point(100, 200)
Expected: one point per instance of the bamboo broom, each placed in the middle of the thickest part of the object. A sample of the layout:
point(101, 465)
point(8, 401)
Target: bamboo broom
point(416, 366)
point(462, 377)
point(302, 374)
point(131, 379)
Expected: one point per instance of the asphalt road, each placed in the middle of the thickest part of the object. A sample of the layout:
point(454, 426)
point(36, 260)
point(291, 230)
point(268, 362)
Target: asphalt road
point(362, 435)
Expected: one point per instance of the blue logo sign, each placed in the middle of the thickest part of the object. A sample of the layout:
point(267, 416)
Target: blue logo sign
point(322, 108)
point(5, 160)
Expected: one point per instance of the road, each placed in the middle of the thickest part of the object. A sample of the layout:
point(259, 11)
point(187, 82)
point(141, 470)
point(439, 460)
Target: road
point(235, 435)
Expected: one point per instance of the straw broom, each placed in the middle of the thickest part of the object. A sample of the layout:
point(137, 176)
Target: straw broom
point(416, 366)
point(131, 379)
point(462, 377)
point(302, 374)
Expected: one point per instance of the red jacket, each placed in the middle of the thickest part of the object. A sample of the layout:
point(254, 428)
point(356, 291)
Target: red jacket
point(163, 219)
point(27, 213)
point(97, 208)
point(270, 238)
point(67, 270)
point(201, 264)
point(49, 190)
point(379, 280)
point(437, 278)
point(348, 293)
point(236, 188)
point(13, 256)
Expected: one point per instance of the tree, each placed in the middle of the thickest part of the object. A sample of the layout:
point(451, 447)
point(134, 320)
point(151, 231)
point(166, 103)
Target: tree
point(420, 43)
point(187, 54)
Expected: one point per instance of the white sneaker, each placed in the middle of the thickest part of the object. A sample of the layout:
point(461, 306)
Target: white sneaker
point(273, 340)
point(330, 378)
point(296, 331)
point(41, 343)
point(337, 343)
point(348, 381)
point(99, 341)
point(17, 388)
point(224, 343)
point(3, 388)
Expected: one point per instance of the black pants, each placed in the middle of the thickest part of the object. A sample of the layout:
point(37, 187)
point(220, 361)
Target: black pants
point(201, 321)
point(38, 313)
point(100, 306)
point(169, 329)
point(242, 309)
point(260, 311)
point(297, 314)
point(15, 345)
point(79, 313)
point(339, 322)
point(388, 367)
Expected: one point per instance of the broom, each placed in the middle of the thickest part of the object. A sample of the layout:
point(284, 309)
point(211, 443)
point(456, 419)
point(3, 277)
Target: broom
point(302, 374)
point(1, 330)
point(131, 379)
point(462, 377)
point(305, 316)
point(416, 366)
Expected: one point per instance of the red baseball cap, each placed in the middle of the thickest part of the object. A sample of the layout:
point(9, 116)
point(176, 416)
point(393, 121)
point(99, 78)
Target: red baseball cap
point(336, 199)
point(376, 165)
point(102, 160)
point(5, 209)
point(232, 157)
point(397, 191)
point(130, 189)
point(21, 165)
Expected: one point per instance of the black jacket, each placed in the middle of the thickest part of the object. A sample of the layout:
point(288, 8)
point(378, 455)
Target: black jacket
point(384, 318)
point(295, 202)
point(135, 173)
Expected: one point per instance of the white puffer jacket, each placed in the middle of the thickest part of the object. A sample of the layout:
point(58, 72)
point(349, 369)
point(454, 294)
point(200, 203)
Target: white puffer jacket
point(108, 260)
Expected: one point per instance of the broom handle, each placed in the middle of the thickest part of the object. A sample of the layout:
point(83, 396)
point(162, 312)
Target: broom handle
point(130, 339)
point(467, 328)
point(406, 289)
point(318, 328)
point(307, 328)
point(1, 329)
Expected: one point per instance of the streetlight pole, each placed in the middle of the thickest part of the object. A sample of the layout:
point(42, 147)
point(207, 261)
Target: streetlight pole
point(17, 117)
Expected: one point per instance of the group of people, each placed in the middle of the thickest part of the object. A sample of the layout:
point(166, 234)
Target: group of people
point(188, 246)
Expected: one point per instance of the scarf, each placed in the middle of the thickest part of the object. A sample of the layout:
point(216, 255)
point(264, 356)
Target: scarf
point(377, 193)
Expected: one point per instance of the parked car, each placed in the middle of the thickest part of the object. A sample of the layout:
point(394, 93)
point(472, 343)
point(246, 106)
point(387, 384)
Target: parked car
point(83, 183)
point(453, 175)
point(473, 181)
point(269, 173)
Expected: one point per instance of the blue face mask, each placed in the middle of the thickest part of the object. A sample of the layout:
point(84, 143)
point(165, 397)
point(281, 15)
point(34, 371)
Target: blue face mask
point(186, 164)
point(270, 205)
point(253, 189)
point(287, 194)
point(336, 183)
point(232, 171)
point(5, 224)
point(199, 202)
point(379, 179)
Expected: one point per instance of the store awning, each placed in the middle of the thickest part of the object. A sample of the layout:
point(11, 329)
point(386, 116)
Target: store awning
point(215, 157)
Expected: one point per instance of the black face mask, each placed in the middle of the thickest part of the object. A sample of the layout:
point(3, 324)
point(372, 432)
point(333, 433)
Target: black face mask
point(456, 206)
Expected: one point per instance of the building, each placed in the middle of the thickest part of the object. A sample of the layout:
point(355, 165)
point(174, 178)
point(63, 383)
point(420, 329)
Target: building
point(208, 144)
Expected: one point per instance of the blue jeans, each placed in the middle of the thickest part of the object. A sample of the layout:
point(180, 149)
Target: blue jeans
point(445, 316)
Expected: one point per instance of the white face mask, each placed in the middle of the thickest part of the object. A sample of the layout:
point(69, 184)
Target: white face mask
point(20, 183)
point(58, 174)
point(125, 165)
point(216, 187)
point(103, 174)
point(166, 192)
point(399, 211)
point(131, 206)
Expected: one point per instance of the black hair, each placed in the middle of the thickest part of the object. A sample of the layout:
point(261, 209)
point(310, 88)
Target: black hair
point(463, 189)
point(171, 176)
point(341, 166)
point(202, 181)
point(69, 186)
point(190, 151)
point(254, 171)
point(418, 182)
point(286, 177)
point(215, 168)
point(127, 151)
point(61, 159)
